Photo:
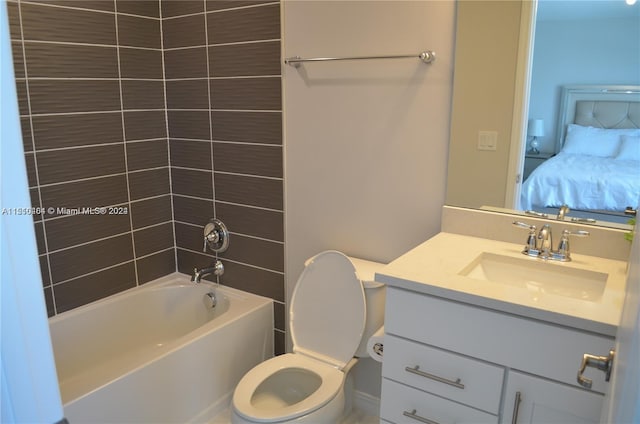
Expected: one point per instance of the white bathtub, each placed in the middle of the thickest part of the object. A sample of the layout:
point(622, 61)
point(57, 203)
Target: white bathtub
point(157, 353)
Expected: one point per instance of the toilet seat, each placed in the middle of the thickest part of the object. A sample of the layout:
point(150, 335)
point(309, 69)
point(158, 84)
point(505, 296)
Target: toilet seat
point(331, 384)
point(327, 318)
point(328, 311)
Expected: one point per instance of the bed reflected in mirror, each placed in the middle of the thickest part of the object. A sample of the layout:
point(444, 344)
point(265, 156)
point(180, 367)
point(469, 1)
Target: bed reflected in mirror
point(595, 169)
point(561, 44)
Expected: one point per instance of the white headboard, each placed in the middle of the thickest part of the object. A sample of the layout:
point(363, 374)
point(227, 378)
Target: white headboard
point(601, 106)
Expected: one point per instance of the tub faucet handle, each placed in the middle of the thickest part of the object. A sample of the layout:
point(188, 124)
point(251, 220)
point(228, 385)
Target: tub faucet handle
point(216, 236)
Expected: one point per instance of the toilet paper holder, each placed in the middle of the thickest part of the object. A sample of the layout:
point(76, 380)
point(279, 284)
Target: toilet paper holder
point(378, 348)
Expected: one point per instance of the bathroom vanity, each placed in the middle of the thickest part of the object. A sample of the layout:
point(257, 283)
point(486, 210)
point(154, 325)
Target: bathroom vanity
point(477, 332)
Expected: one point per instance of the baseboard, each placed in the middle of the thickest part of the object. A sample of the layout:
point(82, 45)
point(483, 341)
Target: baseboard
point(366, 403)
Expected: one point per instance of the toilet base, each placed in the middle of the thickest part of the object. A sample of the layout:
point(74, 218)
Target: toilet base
point(331, 413)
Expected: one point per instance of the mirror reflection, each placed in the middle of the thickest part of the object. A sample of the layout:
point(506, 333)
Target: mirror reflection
point(585, 59)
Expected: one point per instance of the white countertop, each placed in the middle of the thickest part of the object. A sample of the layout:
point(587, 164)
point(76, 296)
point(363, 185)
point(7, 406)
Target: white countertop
point(433, 268)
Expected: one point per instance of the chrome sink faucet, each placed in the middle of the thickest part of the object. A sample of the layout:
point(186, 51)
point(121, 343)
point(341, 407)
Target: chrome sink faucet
point(564, 209)
point(217, 269)
point(540, 245)
point(545, 241)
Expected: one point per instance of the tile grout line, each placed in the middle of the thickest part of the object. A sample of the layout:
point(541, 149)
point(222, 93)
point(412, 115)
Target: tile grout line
point(209, 99)
point(85, 146)
point(239, 174)
point(97, 177)
point(110, 267)
point(204, 199)
point(186, 249)
point(115, 205)
point(78, 43)
point(169, 49)
point(205, 11)
point(85, 9)
point(166, 123)
point(95, 112)
point(35, 160)
point(231, 43)
point(236, 233)
point(124, 145)
point(112, 236)
point(92, 79)
point(244, 143)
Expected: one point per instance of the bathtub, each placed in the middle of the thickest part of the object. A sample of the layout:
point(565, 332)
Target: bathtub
point(159, 352)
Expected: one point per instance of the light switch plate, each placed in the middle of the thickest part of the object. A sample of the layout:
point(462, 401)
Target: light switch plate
point(487, 140)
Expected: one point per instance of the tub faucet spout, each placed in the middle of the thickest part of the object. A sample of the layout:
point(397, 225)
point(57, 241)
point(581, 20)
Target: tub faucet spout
point(217, 269)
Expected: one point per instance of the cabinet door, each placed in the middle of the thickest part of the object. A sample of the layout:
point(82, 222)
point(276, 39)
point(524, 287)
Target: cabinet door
point(543, 401)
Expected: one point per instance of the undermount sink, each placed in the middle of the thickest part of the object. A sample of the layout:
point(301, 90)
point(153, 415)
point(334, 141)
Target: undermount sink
point(538, 277)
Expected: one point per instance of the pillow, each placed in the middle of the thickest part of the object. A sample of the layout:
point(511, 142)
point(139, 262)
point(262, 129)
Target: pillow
point(593, 141)
point(629, 148)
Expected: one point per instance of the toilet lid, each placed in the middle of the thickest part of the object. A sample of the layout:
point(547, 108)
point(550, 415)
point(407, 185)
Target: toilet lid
point(328, 310)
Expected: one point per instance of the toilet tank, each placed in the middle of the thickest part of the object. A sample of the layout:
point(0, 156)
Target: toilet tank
point(375, 297)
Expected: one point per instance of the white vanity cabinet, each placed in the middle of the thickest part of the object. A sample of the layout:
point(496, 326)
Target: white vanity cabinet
point(446, 362)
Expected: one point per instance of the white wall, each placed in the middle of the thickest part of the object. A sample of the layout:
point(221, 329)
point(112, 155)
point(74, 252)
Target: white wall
point(487, 40)
point(603, 51)
point(28, 383)
point(365, 142)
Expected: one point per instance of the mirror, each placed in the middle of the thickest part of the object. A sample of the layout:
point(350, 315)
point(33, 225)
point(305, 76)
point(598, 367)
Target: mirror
point(494, 68)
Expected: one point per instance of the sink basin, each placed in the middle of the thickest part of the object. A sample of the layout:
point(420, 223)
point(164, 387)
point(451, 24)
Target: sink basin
point(538, 277)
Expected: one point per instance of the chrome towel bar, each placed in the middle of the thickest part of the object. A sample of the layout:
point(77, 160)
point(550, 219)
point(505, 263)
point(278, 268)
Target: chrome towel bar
point(426, 56)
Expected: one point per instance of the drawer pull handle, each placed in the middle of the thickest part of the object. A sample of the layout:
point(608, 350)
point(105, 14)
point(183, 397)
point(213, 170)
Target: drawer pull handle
point(516, 408)
point(416, 370)
point(413, 415)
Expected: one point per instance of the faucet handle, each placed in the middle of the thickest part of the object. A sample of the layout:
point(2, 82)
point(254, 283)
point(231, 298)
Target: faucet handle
point(534, 213)
point(577, 233)
point(531, 238)
point(521, 224)
point(216, 236)
point(563, 247)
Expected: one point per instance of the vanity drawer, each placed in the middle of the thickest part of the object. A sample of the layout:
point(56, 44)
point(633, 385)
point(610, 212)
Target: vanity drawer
point(533, 346)
point(399, 402)
point(479, 385)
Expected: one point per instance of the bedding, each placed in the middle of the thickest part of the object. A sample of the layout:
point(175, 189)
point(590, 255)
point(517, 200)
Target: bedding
point(585, 182)
point(629, 148)
point(592, 141)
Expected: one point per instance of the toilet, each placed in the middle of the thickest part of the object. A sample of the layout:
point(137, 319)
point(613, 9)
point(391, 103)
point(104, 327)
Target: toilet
point(335, 307)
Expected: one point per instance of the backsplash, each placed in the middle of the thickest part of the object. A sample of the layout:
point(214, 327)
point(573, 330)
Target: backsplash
point(167, 114)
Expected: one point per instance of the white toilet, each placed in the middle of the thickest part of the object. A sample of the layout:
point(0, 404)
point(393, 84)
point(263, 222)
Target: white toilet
point(336, 306)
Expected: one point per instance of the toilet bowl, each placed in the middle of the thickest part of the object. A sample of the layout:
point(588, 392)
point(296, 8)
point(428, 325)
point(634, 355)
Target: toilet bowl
point(335, 307)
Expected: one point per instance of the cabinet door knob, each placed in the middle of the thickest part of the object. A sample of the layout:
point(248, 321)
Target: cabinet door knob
point(603, 363)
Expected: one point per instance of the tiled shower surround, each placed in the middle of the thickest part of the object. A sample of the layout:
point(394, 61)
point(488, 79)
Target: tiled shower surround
point(167, 113)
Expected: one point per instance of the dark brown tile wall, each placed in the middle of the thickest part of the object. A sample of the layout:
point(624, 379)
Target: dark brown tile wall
point(94, 129)
point(170, 109)
point(222, 65)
